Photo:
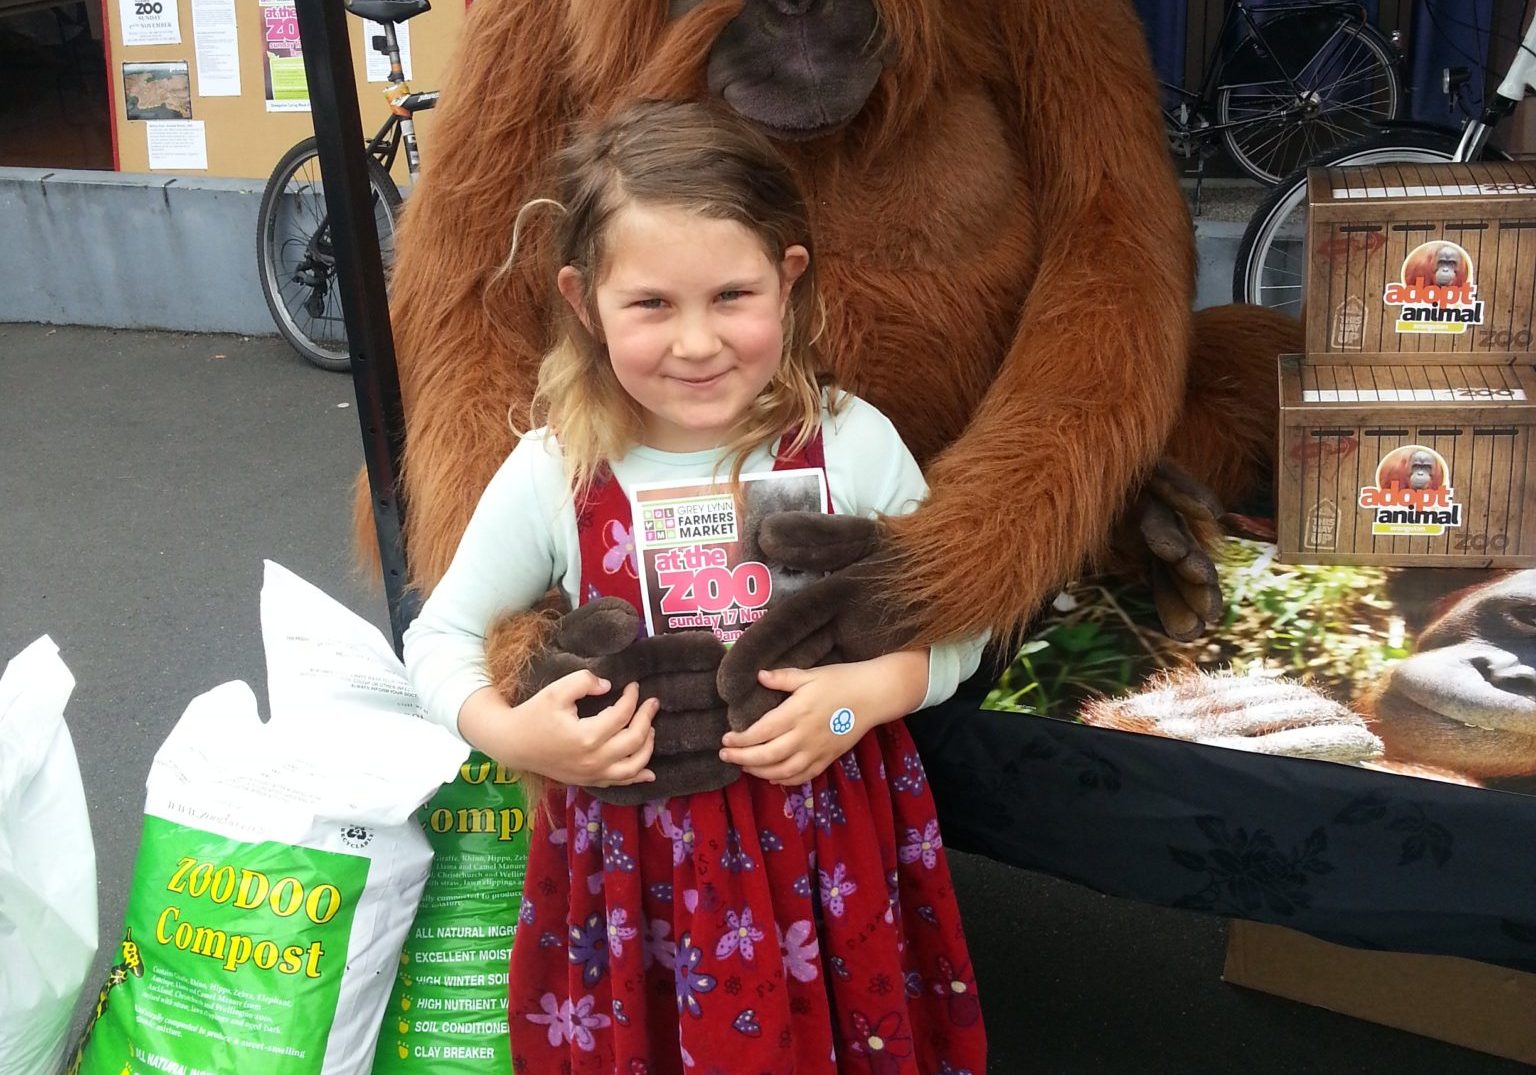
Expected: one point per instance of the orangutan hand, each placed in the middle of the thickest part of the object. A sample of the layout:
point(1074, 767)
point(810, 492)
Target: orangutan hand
point(841, 617)
point(1266, 716)
point(1185, 588)
point(678, 670)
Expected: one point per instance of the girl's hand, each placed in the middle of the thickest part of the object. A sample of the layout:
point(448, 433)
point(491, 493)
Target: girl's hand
point(797, 740)
point(545, 735)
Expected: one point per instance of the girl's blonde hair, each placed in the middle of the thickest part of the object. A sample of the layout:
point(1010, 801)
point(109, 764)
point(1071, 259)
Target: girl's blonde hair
point(695, 157)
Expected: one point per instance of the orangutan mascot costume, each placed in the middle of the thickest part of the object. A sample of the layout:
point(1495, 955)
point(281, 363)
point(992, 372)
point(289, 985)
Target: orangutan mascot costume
point(1004, 254)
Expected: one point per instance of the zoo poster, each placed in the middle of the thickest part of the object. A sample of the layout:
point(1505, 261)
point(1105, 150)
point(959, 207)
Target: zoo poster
point(150, 22)
point(1428, 672)
point(698, 557)
point(286, 87)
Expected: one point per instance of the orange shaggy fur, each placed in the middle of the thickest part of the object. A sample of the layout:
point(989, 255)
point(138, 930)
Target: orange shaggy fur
point(1005, 257)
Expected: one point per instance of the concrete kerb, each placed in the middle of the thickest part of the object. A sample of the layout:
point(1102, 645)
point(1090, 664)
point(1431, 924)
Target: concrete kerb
point(123, 250)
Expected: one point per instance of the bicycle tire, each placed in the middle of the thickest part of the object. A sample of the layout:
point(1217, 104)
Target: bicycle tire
point(1270, 268)
point(297, 273)
point(1328, 54)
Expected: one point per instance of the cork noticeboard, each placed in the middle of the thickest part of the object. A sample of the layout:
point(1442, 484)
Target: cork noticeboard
point(243, 138)
point(1389, 461)
point(1435, 259)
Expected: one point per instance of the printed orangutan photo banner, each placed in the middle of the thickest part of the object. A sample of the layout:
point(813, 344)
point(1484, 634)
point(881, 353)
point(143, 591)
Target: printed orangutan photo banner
point(1429, 672)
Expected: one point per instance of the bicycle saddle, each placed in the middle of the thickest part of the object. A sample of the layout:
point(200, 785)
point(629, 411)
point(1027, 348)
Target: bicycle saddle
point(387, 10)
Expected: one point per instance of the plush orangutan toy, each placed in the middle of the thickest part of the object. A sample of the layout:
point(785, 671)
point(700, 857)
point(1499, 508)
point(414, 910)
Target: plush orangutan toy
point(1006, 263)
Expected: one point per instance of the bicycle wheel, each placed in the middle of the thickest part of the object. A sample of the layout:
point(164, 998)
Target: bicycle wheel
point(295, 259)
point(1313, 81)
point(1270, 269)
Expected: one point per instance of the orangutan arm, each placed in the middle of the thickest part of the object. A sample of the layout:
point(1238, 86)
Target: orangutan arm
point(1094, 378)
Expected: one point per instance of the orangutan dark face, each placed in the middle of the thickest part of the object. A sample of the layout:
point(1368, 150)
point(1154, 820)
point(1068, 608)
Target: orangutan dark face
point(798, 69)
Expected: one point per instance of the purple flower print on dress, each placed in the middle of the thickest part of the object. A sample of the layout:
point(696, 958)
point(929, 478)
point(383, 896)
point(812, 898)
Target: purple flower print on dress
point(923, 845)
point(659, 948)
point(733, 858)
point(957, 985)
point(800, 804)
point(619, 931)
point(621, 555)
point(946, 1068)
point(656, 814)
point(556, 1016)
point(682, 839)
point(839, 967)
point(802, 886)
point(913, 983)
point(798, 948)
point(588, 826)
point(892, 895)
point(828, 810)
point(850, 766)
point(525, 913)
point(615, 858)
point(739, 936)
point(834, 887)
point(661, 890)
point(689, 980)
point(911, 780)
point(769, 840)
point(584, 1020)
point(589, 947)
point(926, 912)
point(883, 1042)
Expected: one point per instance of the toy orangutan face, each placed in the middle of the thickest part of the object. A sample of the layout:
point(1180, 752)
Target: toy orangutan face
point(1466, 700)
point(796, 68)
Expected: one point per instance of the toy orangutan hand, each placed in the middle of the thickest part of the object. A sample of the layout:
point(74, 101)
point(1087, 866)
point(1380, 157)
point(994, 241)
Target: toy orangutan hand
point(676, 669)
point(841, 616)
point(1266, 716)
point(1185, 589)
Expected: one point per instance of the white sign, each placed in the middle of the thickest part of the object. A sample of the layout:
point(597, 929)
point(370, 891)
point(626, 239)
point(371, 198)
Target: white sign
point(1413, 395)
point(375, 61)
point(177, 143)
point(150, 22)
point(218, 57)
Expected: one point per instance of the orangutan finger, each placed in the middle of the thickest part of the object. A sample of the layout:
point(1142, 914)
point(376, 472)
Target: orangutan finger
point(1160, 529)
point(598, 628)
point(1173, 484)
point(1202, 598)
point(1177, 617)
point(813, 541)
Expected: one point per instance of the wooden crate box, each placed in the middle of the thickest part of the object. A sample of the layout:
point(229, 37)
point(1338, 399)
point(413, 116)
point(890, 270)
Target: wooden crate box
point(1421, 258)
point(1400, 461)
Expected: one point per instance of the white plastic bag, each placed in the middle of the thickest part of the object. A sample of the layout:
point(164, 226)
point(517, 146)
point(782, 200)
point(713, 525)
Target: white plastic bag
point(448, 1009)
point(47, 864)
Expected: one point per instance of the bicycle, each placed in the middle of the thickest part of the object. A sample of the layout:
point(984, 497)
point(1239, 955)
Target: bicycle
point(295, 260)
point(1301, 77)
point(1270, 269)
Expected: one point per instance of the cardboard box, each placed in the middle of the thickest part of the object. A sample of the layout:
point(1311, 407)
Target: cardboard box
point(1461, 1001)
point(1407, 461)
point(1421, 258)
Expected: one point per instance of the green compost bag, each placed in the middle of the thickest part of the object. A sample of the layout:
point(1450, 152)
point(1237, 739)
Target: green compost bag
point(448, 1011)
point(278, 871)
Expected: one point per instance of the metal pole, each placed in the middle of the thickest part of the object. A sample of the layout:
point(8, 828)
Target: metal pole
point(364, 306)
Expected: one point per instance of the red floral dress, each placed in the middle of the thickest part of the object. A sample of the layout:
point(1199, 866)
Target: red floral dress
point(754, 930)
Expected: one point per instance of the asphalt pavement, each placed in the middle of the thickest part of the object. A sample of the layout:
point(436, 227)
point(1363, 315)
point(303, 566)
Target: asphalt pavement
point(145, 476)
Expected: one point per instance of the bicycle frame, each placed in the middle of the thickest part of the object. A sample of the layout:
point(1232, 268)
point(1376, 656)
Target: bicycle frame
point(1238, 23)
point(1518, 82)
point(399, 128)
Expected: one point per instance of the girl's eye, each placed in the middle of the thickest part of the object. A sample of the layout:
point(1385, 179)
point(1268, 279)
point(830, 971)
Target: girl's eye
point(647, 304)
point(732, 296)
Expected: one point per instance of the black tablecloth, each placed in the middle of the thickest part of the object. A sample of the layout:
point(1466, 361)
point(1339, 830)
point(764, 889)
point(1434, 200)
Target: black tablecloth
point(1351, 855)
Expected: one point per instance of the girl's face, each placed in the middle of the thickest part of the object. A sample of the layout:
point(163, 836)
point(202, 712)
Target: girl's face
point(691, 309)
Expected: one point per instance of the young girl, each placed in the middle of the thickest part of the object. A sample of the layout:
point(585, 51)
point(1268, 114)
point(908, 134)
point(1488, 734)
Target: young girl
point(801, 918)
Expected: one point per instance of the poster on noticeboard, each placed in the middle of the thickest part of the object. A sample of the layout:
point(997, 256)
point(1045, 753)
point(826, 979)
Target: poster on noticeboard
point(286, 87)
